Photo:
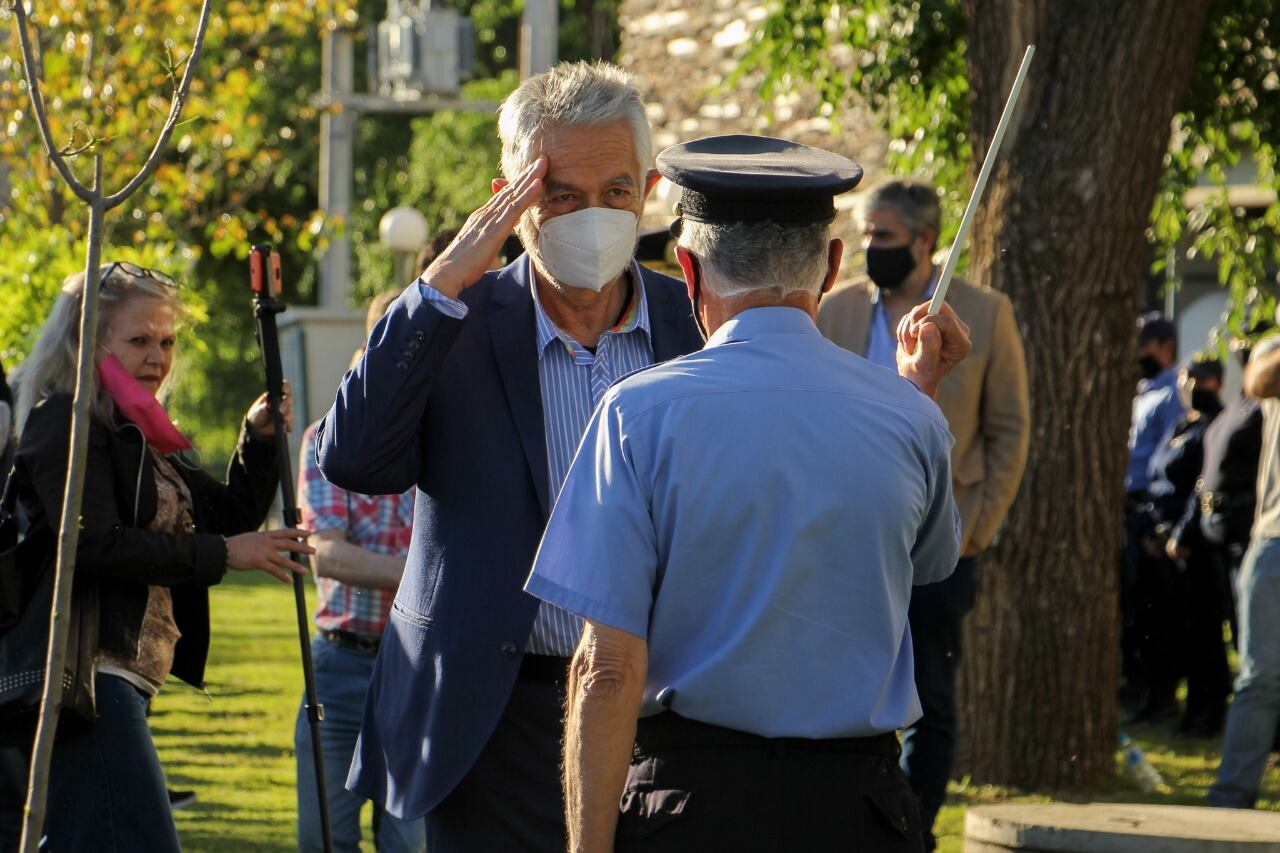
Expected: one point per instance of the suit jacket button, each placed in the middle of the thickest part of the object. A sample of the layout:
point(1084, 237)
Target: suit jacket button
point(402, 366)
point(509, 650)
point(419, 335)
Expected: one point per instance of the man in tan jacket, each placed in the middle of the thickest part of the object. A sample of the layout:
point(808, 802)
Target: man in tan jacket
point(986, 405)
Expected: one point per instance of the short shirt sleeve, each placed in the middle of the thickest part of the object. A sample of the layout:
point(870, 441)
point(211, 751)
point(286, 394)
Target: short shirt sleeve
point(598, 556)
point(937, 545)
point(323, 505)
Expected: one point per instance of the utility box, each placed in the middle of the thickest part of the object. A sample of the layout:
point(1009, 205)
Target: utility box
point(423, 50)
point(316, 347)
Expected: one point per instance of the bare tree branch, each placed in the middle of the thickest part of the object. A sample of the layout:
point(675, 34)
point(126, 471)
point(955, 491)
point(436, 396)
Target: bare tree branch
point(37, 107)
point(68, 529)
point(175, 111)
point(68, 533)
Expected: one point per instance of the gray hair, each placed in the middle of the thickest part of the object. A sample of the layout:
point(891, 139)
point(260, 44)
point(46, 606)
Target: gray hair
point(571, 93)
point(52, 366)
point(915, 202)
point(743, 257)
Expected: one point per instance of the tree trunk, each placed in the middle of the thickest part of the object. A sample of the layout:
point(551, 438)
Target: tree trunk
point(1061, 231)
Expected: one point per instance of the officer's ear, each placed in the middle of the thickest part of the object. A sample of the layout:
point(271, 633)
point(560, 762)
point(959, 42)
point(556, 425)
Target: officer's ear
point(651, 181)
point(835, 252)
point(689, 266)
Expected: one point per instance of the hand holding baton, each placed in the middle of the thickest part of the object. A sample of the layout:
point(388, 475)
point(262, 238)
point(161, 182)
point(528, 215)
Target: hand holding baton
point(948, 270)
point(266, 282)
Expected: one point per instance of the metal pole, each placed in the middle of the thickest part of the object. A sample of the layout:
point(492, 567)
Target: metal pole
point(337, 139)
point(264, 269)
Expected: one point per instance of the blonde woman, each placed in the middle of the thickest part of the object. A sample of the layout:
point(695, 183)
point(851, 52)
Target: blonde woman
point(156, 532)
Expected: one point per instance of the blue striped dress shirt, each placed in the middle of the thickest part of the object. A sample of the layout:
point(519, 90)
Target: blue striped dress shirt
point(573, 380)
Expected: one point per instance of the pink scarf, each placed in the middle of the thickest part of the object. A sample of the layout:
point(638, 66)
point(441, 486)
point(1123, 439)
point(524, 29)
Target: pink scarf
point(139, 405)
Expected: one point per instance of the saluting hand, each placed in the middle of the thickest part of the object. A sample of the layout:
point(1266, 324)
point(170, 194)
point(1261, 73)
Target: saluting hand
point(472, 252)
point(929, 346)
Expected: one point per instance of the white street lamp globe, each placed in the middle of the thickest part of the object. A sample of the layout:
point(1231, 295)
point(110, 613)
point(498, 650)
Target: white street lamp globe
point(403, 229)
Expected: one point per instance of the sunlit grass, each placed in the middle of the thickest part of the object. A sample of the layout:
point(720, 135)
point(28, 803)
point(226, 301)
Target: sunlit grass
point(234, 747)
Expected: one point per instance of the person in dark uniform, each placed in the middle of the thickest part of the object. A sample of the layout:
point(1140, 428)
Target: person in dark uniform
point(1156, 408)
point(1184, 574)
point(1227, 491)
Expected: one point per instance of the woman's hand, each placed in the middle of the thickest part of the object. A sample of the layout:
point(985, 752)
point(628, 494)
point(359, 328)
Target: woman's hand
point(261, 423)
point(268, 551)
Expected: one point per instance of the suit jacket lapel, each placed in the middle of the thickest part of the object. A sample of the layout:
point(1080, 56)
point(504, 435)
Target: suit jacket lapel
point(667, 312)
point(860, 322)
point(511, 326)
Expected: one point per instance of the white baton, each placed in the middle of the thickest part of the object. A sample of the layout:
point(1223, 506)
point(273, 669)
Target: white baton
point(948, 270)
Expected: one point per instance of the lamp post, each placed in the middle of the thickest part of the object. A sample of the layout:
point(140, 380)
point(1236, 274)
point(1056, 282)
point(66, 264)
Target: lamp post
point(404, 231)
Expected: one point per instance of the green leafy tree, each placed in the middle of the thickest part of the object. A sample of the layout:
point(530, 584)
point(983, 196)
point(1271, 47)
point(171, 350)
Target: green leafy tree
point(244, 168)
point(1127, 106)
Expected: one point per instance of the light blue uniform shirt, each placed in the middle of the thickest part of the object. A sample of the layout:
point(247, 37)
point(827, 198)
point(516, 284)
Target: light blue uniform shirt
point(572, 379)
point(882, 343)
point(1155, 411)
point(758, 512)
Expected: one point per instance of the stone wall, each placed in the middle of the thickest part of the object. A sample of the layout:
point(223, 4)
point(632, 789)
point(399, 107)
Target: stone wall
point(684, 51)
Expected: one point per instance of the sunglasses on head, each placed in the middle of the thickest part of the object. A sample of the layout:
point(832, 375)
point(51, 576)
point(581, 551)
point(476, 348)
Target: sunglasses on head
point(134, 271)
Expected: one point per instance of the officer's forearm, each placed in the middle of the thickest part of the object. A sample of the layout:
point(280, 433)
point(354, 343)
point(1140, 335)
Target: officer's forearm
point(606, 683)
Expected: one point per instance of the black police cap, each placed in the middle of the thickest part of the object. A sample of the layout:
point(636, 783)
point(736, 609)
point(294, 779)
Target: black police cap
point(740, 178)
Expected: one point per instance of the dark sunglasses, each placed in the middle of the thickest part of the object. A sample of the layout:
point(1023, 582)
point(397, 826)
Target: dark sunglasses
point(134, 271)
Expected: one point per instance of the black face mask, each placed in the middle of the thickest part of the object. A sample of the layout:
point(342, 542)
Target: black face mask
point(1150, 366)
point(1204, 400)
point(889, 268)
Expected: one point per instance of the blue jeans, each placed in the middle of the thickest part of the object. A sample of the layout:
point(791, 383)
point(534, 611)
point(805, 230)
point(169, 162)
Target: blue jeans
point(937, 629)
point(342, 680)
point(1252, 718)
point(106, 788)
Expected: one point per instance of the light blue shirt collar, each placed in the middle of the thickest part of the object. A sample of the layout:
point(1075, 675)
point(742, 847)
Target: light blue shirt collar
point(548, 331)
point(754, 322)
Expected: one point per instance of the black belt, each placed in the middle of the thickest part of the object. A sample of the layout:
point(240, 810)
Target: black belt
point(362, 643)
point(545, 668)
point(668, 730)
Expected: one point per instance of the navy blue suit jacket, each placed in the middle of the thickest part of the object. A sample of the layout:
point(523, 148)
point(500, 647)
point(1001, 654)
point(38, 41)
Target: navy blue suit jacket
point(455, 408)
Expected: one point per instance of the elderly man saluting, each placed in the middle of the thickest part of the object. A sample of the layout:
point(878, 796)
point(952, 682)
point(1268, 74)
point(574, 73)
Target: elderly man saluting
point(476, 387)
point(741, 529)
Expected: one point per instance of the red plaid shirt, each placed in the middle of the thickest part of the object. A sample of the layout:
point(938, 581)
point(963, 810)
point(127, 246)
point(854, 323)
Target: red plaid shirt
point(381, 524)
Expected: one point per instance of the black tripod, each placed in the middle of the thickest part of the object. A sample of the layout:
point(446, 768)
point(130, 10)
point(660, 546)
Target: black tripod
point(264, 278)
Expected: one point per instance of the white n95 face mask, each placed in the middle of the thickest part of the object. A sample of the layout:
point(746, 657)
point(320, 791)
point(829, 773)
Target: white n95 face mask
point(588, 248)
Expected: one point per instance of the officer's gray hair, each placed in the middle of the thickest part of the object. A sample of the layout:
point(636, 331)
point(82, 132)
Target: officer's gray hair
point(570, 94)
point(744, 257)
point(915, 202)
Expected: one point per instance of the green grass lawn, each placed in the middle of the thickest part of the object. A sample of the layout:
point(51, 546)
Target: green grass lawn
point(234, 747)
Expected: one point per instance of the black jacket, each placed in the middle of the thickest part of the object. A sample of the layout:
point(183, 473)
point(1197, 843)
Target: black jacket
point(117, 557)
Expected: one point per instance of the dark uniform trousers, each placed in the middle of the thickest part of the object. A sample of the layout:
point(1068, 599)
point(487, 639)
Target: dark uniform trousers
point(697, 787)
